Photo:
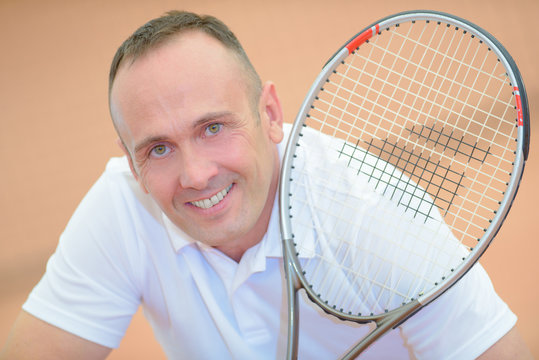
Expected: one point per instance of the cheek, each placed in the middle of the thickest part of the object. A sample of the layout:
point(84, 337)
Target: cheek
point(241, 159)
point(160, 184)
point(256, 165)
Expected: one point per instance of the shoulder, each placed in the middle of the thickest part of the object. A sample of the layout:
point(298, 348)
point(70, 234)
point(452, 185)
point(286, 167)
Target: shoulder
point(114, 219)
point(464, 322)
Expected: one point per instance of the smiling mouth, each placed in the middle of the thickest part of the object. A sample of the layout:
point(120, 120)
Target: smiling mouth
point(214, 200)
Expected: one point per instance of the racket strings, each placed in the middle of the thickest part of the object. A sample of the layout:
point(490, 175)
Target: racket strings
point(394, 113)
point(428, 171)
point(448, 58)
point(327, 215)
point(432, 136)
point(444, 78)
point(426, 159)
point(340, 130)
point(371, 284)
point(473, 146)
point(336, 284)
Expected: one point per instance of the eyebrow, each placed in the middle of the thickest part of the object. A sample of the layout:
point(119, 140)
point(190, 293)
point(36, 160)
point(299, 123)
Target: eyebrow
point(205, 119)
point(147, 141)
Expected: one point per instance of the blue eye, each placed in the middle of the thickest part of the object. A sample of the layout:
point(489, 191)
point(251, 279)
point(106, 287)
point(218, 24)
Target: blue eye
point(213, 129)
point(160, 150)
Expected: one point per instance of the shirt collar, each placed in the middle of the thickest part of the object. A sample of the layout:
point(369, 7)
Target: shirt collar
point(178, 238)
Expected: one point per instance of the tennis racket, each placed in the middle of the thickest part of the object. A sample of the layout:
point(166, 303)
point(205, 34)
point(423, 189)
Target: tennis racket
point(402, 164)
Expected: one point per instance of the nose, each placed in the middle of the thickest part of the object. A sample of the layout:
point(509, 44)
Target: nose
point(196, 169)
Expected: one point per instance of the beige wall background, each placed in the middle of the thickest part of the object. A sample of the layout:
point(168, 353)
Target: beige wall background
point(56, 135)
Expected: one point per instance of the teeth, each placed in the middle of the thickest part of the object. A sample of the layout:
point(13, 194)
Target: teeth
point(214, 200)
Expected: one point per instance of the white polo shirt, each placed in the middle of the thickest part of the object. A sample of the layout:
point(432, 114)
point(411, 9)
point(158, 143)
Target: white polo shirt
point(120, 251)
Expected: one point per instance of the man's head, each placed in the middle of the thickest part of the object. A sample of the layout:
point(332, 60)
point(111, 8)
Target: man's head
point(196, 140)
point(162, 29)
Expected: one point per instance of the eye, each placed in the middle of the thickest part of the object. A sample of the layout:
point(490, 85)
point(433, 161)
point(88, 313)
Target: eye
point(159, 150)
point(213, 129)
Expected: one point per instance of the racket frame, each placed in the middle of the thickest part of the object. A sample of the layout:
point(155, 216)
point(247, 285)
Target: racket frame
point(395, 317)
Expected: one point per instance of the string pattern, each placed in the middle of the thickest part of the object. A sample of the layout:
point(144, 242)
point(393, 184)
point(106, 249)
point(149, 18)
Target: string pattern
point(403, 161)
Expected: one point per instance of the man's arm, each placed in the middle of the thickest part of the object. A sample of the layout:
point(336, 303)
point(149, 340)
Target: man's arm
point(32, 338)
point(510, 346)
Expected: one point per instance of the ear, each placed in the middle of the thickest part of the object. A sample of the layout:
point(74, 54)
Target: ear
point(131, 166)
point(271, 112)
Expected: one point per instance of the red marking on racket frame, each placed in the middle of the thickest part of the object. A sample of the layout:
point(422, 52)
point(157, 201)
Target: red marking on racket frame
point(361, 38)
point(519, 106)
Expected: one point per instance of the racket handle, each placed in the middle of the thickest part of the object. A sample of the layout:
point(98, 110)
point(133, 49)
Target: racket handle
point(292, 285)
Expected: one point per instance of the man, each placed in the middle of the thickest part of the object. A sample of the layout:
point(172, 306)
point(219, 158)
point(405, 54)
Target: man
point(186, 224)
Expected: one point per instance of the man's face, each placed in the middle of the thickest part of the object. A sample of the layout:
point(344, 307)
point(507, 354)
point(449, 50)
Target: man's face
point(195, 142)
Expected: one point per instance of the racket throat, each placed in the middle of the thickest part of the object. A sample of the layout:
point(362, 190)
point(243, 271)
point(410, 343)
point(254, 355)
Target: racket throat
point(383, 325)
point(292, 287)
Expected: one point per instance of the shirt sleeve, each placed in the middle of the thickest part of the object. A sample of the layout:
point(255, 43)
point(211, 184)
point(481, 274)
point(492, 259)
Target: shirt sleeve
point(462, 324)
point(90, 284)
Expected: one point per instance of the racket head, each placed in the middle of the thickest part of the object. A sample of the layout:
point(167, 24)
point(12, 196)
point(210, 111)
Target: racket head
point(448, 207)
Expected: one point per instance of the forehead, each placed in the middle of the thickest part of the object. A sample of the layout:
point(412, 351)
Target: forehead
point(191, 51)
point(188, 74)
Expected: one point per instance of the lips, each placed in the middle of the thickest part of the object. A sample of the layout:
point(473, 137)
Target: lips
point(212, 201)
